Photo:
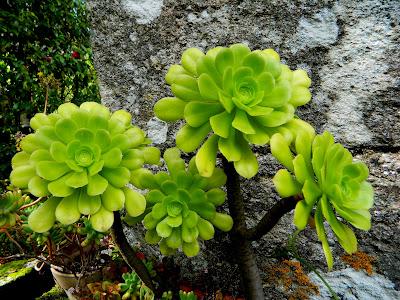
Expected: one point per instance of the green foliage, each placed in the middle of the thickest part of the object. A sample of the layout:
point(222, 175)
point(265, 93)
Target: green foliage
point(327, 178)
point(242, 96)
point(82, 157)
point(187, 295)
point(131, 285)
point(45, 52)
point(182, 205)
point(10, 202)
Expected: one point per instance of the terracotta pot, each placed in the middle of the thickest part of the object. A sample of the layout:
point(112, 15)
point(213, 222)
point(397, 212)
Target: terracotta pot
point(67, 281)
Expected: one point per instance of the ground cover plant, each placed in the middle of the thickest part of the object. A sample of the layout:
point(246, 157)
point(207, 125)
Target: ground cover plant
point(83, 161)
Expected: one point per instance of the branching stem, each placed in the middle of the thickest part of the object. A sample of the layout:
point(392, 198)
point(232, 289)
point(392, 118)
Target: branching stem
point(129, 254)
point(244, 253)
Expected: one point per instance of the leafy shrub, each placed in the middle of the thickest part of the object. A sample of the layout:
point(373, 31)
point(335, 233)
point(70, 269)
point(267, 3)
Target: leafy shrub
point(46, 57)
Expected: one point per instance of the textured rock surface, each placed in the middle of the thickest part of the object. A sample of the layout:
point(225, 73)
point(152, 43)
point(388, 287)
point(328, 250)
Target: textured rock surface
point(352, 285)
point(349, 48)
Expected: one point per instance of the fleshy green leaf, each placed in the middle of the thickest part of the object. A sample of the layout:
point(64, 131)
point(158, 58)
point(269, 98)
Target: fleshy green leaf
point(37, 186)
point(242, 123)
point(222, 221)
point(67, 211)
point(285, 184)
point(58, 152)
point(96, 185)
point(88, 205)
point(65, 129)
point(228, 146)
point(189, 138)
point(224, 60)
point(190, 58)
point(102, 220)
point(280, 150)
point(206, 156)
point(169, 109)
point(43, 218)
point(198, 113)
point(77, 180)
point(247, 166)
point(21, 176)
point(59, 188)
point(118, 177)
point(191, 249)
point(319, 225)
point(112, 158)
point(113, 199)
point(207, 87)
point(135, 203)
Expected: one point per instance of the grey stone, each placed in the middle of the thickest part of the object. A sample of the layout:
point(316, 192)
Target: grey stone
point(157, 130)
point(321, 30)
point(351, 51)
point(145, 11)
point(349, 284)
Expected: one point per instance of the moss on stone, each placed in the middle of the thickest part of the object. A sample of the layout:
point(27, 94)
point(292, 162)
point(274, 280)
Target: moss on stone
point(55, 293)
point(14, 270)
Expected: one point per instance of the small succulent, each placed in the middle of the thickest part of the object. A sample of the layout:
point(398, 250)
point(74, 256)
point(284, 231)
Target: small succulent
point(131, 285)
point(82, 157)
point(182, 205)
point(91, 235)
point(10, 202)
point(241, 96)
point(327, 178)
point(187, 295)
point(104, 290)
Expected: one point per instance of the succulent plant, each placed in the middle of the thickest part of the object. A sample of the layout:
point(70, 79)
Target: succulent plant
point(82, 157)
point(182, 205)
point(327, 178)
point(131, 285)
point(187, 295)
point(10, 202)
point(242, 96)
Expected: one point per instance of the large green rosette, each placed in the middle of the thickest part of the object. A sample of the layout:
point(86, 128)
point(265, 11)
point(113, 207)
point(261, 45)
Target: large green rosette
point(331, 183)
point(83, 158)
point(240, 96)
point(181, 205)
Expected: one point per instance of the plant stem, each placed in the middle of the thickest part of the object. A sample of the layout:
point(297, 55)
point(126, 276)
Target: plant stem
point(14, 241)
point(128, 254)
point(248, 268)
point(271, 218)
point(46, 99)
point(31, 204)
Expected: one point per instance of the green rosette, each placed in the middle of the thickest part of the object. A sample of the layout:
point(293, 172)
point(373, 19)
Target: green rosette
point(83, 158)
point(330, 182)
point(181, 205)
point(241, 96)
point(10, 203)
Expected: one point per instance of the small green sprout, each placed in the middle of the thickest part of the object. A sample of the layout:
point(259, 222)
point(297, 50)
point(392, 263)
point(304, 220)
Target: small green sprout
point(182, 205)
point(241, 96)
point(327, 178)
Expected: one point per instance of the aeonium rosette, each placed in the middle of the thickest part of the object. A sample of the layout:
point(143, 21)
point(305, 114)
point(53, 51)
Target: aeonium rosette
point(241, 96)
point(82, 157)
point(329, 181)
point(181, 205)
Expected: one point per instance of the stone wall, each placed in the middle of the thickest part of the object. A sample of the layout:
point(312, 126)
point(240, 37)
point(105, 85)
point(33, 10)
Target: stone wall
point(351, 51)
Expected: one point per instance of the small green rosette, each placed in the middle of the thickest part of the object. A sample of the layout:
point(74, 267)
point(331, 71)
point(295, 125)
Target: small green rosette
point(10, 202)
point(330, 182)
point(239, 95)
point(82, 157)
point(181, 205)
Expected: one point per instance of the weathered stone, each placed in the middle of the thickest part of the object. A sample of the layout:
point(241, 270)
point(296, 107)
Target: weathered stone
point(349, 284)
point(349, 48)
